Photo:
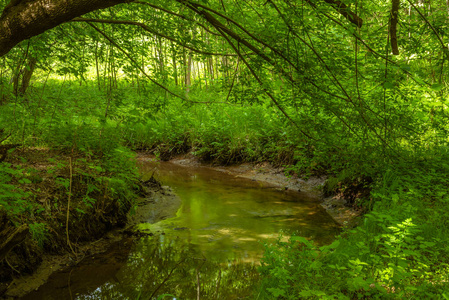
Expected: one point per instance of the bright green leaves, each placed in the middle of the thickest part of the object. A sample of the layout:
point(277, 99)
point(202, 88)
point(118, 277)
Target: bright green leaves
point(13, 200)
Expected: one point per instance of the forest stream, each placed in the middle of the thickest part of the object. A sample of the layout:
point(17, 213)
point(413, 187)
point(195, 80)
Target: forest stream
point(210, 249)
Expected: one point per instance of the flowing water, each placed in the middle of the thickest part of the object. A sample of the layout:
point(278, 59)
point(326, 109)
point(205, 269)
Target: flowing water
point(210, 249)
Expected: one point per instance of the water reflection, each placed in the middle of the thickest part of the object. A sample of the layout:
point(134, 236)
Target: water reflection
point(228, 217)
point(156, 266)
point(211, 248)
point(176, 268)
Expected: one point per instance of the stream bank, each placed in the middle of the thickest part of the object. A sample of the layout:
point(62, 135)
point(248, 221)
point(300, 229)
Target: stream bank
point(111, 249)
point(155, 204)
point(59, 207)
point(336, 205)
point(211, 249)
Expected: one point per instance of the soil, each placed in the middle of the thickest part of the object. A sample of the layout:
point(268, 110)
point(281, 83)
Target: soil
point(159, 203)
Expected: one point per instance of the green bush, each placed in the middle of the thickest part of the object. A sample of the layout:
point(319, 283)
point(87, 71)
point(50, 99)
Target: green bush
point(399, 251)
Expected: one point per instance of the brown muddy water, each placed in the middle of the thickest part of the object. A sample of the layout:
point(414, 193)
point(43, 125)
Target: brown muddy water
point(209, 250)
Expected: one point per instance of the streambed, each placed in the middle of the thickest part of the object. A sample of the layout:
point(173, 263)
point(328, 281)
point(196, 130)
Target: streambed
point(210, 248)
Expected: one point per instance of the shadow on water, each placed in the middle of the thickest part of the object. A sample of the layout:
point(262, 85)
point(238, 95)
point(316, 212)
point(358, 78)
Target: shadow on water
point(211, 248)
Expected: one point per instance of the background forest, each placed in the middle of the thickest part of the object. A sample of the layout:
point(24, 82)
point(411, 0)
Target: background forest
point(355, 90)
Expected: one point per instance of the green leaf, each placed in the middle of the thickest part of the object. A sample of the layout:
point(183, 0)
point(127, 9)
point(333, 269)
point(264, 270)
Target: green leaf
point(437, 87)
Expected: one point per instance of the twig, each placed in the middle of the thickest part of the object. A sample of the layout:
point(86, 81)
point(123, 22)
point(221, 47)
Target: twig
point(6, 259)
point(151, 30)
point(68, 208)
point(175, 14)
point(233, 79)
point(261, 84)
point(166, 278)
point(137, 65)
point(445, 50)
point(198, 285)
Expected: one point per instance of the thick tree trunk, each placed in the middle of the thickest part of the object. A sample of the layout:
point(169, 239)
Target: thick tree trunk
point(23, 19)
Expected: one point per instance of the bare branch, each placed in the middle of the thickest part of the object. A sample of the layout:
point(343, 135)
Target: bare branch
point(346, 12)
point(177, 15)
point(151, 30)
point(445, 49)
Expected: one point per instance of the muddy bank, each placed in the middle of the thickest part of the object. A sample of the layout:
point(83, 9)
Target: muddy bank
point(336, 205)
point(56, 208)
point(22, 285)
point(158, 202)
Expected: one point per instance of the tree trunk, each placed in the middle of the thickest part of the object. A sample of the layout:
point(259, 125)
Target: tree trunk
point(188, 73)
point(175, 67)
point(22, 19)
point(26, 77)
point(393, 26)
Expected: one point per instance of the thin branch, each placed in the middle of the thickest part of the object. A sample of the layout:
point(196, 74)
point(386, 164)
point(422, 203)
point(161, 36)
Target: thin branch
point(364, 43)
point(336, 81)
point(166, 278)
point(212, 20)
point(149, 29)
point(345, 12)
point(233, 79)
point(68, 208)
point(135, 63)
point(177, 15)
point(445, 49)
point(261, 83)
point(310, 46)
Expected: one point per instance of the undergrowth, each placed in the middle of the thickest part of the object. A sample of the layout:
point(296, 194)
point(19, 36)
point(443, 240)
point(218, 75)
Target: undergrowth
point(399, 251)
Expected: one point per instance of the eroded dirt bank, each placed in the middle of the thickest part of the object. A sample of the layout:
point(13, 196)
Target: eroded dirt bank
point(157, 203)
point(70, 208)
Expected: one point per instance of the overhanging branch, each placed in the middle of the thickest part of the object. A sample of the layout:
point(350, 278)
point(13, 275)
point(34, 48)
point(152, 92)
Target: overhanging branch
point(346, 12)
point(151, 30)
point(24, 19)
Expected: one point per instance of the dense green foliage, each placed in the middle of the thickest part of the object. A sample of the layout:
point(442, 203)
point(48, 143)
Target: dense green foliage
point(290, 82)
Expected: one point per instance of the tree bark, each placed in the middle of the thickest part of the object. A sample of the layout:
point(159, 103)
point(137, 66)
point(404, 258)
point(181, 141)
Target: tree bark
point(23, 19)
point(393, 26)
point(26, 77)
